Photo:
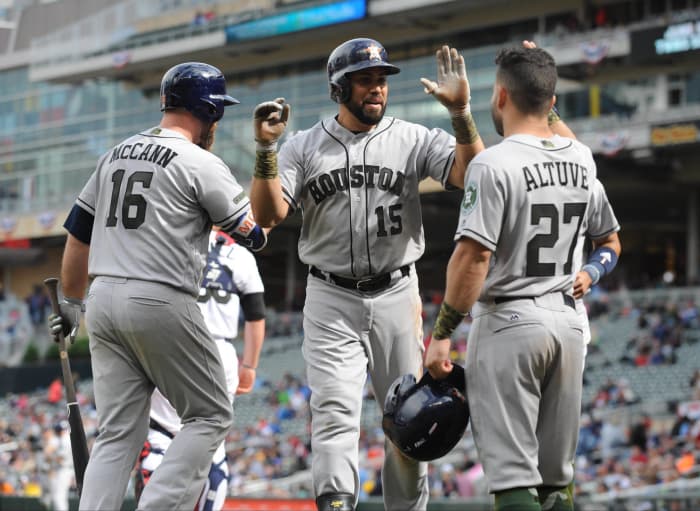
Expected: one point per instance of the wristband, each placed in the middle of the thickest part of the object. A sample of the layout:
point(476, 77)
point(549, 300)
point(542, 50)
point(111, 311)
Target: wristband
point(265, 146)
point(448, 319)
point(464, 128)
point(246, 366)
point(601, 262)
point(266, 164)
point(553, 116)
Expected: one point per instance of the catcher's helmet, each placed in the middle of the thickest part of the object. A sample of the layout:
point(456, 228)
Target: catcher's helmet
point(425, 420)
point(198, 88)
point(352, 56)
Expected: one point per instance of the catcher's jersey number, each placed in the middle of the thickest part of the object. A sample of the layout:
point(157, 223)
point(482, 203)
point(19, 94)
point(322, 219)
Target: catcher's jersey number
point(133, 205)
point(550, 214)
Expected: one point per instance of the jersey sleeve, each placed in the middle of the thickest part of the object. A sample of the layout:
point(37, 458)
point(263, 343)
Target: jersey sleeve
point(291, 171)
point(87, 199)
point(439, 155)
point(482, 208)
point(245, 271)
point(220, 194)
point(601, 217)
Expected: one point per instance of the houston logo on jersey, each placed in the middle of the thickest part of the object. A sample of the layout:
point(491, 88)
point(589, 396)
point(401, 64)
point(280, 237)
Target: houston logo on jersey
point(371, 176)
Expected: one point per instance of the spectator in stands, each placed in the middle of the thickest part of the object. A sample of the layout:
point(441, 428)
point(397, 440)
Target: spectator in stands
point(695, 384)
point(38, 304)
point(57, 450)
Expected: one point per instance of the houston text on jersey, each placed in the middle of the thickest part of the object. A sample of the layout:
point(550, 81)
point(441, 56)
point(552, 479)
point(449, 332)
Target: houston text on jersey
point(336, 180)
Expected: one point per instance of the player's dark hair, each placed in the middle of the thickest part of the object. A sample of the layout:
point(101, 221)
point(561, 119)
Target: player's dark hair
point(530, 77)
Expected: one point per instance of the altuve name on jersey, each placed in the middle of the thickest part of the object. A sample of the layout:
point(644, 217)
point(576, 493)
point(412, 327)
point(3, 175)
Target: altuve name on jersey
point(154, 153)
point(371, 176)
point(551, 173)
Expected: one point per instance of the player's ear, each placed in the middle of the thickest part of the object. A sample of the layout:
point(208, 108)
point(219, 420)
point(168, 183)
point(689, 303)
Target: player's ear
point(501, 96)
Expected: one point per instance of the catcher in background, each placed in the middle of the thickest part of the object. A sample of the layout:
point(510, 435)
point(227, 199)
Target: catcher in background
point(231, 283)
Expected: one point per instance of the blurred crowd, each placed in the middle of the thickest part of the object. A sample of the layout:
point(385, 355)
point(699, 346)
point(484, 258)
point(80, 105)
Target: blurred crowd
point(620, 447)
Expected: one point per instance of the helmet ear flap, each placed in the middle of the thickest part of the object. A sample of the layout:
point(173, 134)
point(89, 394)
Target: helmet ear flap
point(340, 89)
point(397, 393)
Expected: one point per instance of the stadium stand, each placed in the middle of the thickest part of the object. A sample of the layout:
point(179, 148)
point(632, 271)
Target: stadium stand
point(76, 76)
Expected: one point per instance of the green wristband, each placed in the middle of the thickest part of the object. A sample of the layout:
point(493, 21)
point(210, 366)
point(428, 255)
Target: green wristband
point(266, 164)
point(464, 129)
point(448, 319)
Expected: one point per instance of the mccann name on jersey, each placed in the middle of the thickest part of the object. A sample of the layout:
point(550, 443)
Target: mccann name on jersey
point(372, 176)
point(154, 153)
point(551, 173)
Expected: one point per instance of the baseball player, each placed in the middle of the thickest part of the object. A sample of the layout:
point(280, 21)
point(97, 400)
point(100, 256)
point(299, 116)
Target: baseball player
point(59, 455)
point(524, 204)
point(231, 283)
point(139, 229)
point(355, 176)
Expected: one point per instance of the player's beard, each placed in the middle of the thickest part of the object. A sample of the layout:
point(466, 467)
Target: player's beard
point(357, 109)
point(497, 120)
point(206, 139)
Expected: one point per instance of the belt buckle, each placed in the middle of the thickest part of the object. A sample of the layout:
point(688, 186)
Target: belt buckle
point(360, 284)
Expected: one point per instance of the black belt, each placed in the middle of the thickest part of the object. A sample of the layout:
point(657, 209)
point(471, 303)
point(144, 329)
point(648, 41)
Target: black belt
point(366, 285)
point(568, 299)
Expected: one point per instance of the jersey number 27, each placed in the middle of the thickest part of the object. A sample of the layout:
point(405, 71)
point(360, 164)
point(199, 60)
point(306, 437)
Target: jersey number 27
point(538, 212)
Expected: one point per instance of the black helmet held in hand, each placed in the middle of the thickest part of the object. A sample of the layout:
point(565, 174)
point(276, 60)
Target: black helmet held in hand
point(426, 419)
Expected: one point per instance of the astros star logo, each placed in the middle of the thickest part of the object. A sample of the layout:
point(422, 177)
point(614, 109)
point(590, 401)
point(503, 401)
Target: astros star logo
point(374, 52)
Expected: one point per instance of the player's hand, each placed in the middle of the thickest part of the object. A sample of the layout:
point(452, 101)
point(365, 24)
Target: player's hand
point(437, 358)
point(246, 380)
point(529, 44)
point(582, 284)
point(270, 120)
point(452, 86)
point(68, 320)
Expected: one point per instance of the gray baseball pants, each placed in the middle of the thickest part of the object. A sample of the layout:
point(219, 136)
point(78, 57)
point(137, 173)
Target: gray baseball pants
point(145, 334)
point(524, 381)
point(347, 333)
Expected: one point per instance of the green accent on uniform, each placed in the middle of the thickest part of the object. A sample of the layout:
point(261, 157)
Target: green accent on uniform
point(518, 499)
point(464, 129)
point(471, 195)
point(448, 319)
point(155, 131)
point(553, 116)
point(238, 198)
point(556, 499)
point(266, 164)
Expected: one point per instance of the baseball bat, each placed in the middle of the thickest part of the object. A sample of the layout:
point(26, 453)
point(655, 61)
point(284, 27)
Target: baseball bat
point(78, 442)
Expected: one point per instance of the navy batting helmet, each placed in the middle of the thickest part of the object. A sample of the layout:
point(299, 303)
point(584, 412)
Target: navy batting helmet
point(426, 419)
point(352, 56)
point(198, 88)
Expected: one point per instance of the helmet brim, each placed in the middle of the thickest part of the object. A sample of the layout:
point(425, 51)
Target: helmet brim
point(228, 100)
point(389, 69)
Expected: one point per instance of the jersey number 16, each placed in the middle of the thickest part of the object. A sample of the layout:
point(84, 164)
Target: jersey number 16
point(133, 208)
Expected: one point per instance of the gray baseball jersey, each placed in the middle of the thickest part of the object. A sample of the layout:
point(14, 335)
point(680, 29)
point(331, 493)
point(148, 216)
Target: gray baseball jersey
point(533, 207)
point(359, 192)
point(154, 179)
